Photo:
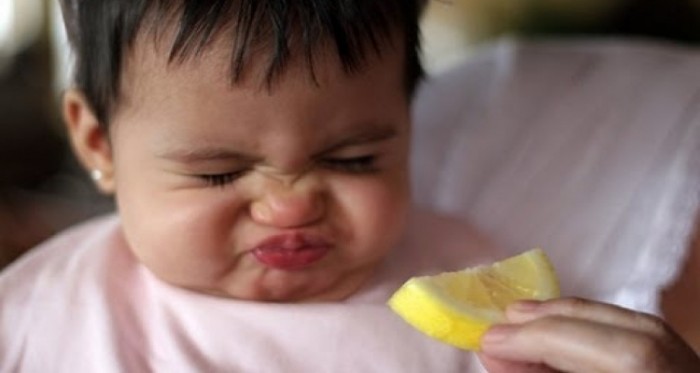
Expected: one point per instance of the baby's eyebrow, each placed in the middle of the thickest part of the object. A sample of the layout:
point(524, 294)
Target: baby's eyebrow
point(205, 154)
point(195, 155)
point(378, 134)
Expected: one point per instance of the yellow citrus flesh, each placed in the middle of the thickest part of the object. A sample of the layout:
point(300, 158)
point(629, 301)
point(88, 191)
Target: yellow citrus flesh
point(458, 307)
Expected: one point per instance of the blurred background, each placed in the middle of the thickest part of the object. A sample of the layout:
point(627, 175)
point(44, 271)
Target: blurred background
point(42, 190)
point(453, 29)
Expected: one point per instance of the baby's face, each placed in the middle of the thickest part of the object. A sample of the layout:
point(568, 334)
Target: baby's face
point(292, 194)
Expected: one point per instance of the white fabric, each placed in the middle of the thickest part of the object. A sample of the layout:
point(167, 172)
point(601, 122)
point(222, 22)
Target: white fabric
point(82, 303)
point(590, 150)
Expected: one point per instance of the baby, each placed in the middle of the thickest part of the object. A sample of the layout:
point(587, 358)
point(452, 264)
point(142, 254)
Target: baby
point(257, 152)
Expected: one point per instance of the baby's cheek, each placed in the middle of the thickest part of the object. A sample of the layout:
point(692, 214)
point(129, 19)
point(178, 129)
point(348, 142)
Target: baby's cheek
point(184, 237)
point(377, 209)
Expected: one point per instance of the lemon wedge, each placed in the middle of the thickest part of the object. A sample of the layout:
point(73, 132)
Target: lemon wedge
point(458, 307)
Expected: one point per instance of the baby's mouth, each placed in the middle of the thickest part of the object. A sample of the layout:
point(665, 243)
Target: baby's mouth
point(291, 251)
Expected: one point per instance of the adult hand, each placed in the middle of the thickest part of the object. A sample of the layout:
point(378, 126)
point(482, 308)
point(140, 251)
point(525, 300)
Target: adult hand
point(576, 335)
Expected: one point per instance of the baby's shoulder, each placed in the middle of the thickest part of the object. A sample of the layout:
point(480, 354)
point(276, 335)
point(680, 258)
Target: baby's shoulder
point(59, 253)
point(36, 276)
point(40, 289)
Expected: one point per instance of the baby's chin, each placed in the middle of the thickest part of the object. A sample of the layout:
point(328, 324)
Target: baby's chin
point(285, 288)
point(286, 292)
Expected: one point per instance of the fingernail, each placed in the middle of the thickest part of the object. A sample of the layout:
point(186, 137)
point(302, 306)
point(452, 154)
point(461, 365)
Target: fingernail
point(497, 334)
point(525, 306)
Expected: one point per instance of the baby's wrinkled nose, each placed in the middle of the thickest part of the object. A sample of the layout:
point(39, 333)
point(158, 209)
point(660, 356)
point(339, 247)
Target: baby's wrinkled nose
point(288, 205)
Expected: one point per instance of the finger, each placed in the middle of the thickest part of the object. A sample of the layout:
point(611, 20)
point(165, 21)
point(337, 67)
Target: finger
point(574, 345)
point(583, 309)
point(496, 365)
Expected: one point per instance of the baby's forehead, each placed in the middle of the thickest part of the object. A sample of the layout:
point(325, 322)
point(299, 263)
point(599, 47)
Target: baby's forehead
point(249, 44)
point(152, 57)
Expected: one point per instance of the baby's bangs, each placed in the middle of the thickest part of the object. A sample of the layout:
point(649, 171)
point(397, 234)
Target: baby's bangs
point(356, 29)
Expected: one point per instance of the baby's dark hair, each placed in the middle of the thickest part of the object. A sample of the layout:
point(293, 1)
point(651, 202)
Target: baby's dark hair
point(101, 33)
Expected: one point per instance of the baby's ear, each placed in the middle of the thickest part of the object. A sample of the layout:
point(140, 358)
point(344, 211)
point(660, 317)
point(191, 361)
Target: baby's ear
point(89, 139)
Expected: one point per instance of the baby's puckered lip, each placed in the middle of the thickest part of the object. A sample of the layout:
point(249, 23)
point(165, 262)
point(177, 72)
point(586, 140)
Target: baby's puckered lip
point(291, 251)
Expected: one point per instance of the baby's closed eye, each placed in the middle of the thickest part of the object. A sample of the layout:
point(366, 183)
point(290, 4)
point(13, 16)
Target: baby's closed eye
point(220, 180)
point(358, 164)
